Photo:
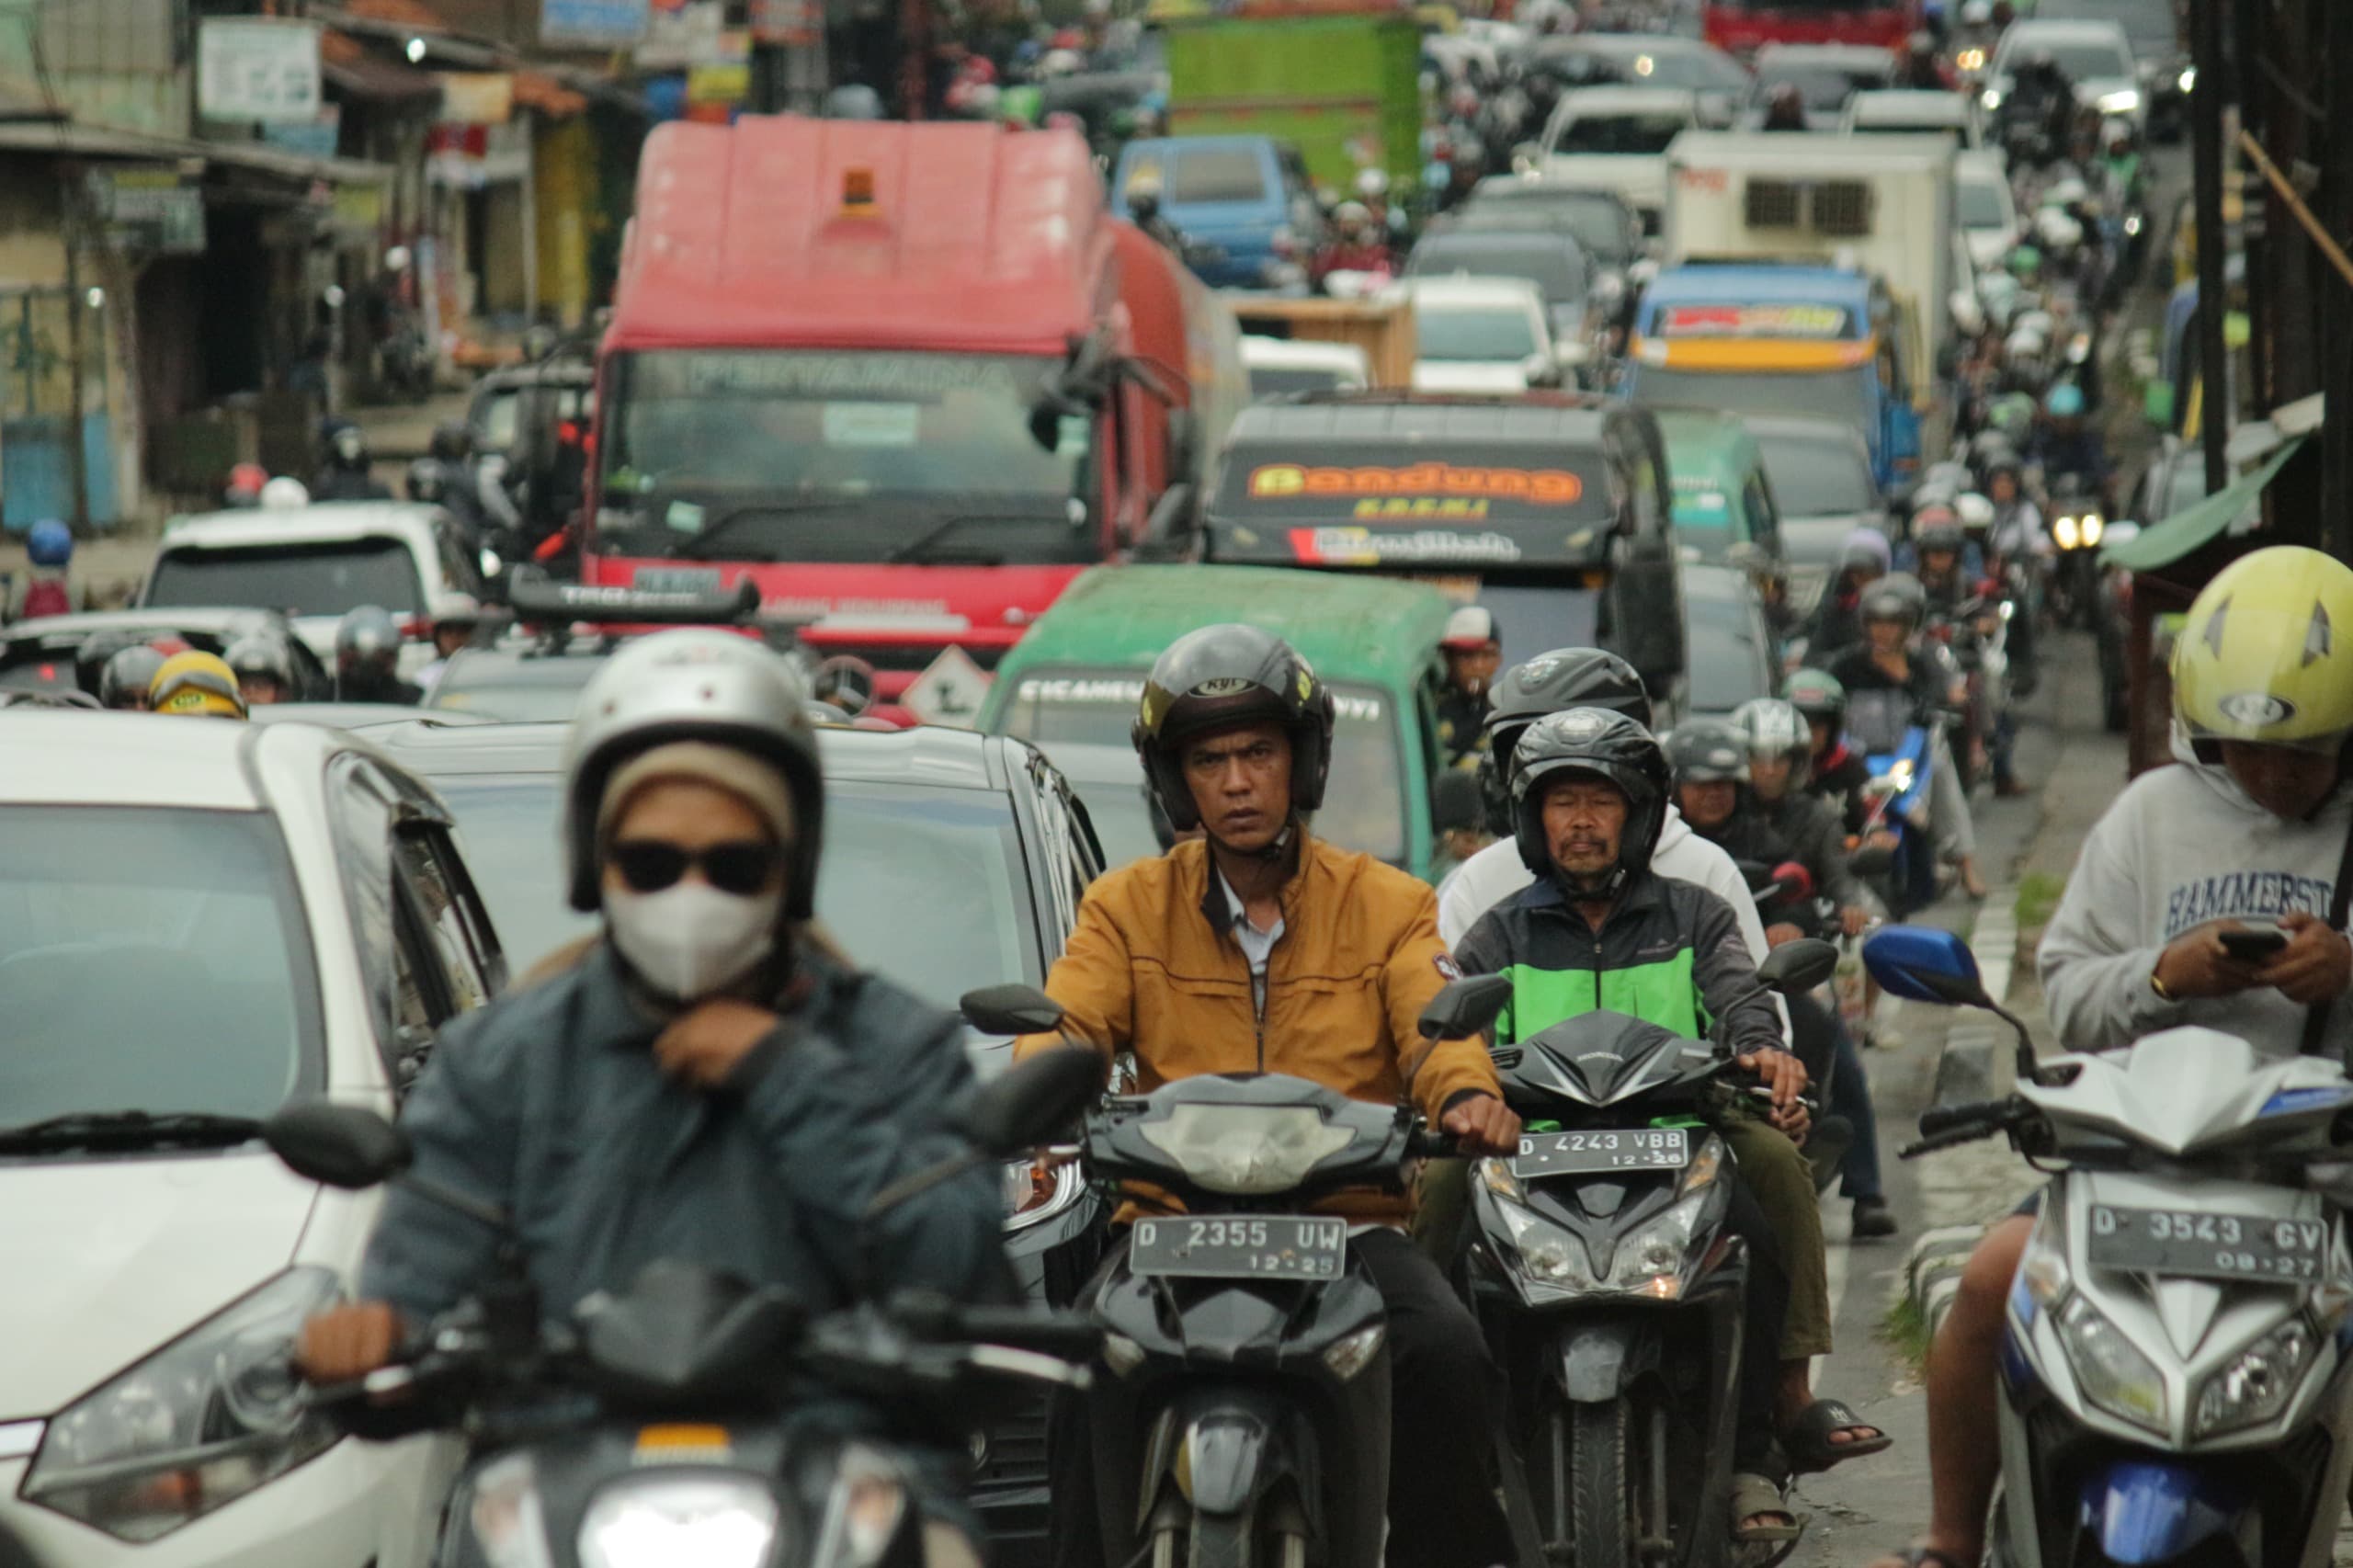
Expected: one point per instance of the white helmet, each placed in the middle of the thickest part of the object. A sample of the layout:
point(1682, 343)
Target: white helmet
point(1372, 184)
point(694, 684)
point(2024, 343)
point(284, 494)
point(1976, 513)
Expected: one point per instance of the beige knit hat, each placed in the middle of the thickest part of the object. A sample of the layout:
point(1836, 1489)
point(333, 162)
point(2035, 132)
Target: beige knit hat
point(748, 779)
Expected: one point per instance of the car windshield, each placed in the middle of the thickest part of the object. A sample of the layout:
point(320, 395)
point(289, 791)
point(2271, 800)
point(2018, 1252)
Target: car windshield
point(1637, 134)
point(1456, 332)
point(1981, 205)
point(1824, 394)
point(924, 885)
point(1365, 811)
point(1217, 174)
point(152, 958)
point(300, 579)
point(1692, 70)
point(1277, 380)
point(817, 456)
point(1826, 87)
point(1817, 476)
point(1602, 228)
point(1554, 266)
point(2083, 60)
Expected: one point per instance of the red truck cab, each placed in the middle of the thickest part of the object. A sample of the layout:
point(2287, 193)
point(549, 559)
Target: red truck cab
point(908, 379)
point(1743, 27)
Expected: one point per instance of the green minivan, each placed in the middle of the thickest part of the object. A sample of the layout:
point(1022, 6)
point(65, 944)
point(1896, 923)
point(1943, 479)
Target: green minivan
point(1071, 685)
point(1723, 504)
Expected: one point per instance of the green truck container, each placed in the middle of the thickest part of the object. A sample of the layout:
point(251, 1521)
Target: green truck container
point(1345, 90)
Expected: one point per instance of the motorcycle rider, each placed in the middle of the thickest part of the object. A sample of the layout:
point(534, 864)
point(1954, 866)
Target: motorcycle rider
point(125, 677)
point(752, 1091)
point(1144, 211)
point(2254, 826)
point(1473, 653)
point(343, 476)
point(1940, 549)
point(49, 546)
point(367, 659)
point(1263, 946)
point(1785, 108)
point(196, 683)
point(1920, 69)
point(455, 621)
point(2042, 95)
point(2066, 442)
point(1597, 927)
point(1836, 774)
point(1836, 623)
point(264, 665)
point(1892, 613)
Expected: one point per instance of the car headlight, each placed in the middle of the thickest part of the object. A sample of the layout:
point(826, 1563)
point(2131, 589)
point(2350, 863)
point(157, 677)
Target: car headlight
point(663, 1517)
point(2123, 101)
point(2113, 1373)
point(1036, 1190)
point(861, 1516)
point(1352, 1353)
point(200, 1422)
point(2063, 533)
point(2092, 527)
point(507, 1522)
point(2255, 1385)
point(1991, 97)
point(1246, 1150)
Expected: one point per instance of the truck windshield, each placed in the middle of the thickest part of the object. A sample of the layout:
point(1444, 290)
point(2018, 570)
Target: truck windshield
point(1817, 476)
point(822, 456)
point(1823, 394)
point(328, 577)
point(1366, 810)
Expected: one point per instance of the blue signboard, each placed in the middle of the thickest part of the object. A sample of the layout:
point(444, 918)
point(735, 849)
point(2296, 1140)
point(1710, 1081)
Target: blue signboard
point(592, 24)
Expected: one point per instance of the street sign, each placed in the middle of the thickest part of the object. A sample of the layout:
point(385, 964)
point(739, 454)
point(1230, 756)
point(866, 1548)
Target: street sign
point(257, 68)
point(592, 24)
point(949, 692)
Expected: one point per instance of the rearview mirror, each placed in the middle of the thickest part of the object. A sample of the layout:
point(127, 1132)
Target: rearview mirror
point(1025, 1105)
point(1465, 1007)
point(1798, 966)
point(1010, 1010)
point(1922, 964)
point(337, 1145)
point(1793, 880)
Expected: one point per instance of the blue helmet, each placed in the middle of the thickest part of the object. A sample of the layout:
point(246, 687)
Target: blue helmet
point(50, 542)
point(2065, 401)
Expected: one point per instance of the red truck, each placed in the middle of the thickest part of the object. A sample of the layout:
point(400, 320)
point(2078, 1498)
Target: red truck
point(1743, 27)
point(910, 379)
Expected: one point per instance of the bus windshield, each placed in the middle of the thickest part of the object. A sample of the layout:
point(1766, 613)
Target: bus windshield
point(820, 455)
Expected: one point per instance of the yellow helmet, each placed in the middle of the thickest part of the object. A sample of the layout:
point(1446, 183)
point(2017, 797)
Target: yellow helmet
point(2258, 659)
point(195, 683)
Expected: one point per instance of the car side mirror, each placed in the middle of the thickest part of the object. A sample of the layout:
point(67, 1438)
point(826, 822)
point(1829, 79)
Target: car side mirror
point(1798, 966)
point(343, 1147)
point(1465, 1007)
point(1922, 964)
point(1031, 1100)
point(1013, 1009)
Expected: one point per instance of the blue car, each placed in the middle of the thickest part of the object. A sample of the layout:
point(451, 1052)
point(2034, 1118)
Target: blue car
point(1244, 204)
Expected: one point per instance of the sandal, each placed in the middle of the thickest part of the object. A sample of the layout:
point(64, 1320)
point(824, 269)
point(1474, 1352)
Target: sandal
point(1755, 1495)
point(1807, 1442)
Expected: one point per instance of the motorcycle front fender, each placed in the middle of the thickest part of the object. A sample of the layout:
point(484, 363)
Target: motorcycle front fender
point(2145, 1512)
point(1223, 1447)
point(1595, 1361)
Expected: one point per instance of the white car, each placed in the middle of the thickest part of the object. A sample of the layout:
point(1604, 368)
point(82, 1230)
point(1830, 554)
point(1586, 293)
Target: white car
point(2096, 55)
point(317, 561)
point(1989, 213)
point(1280, 366)
point(202, 919)
point(1483, 334)
point(1616, 139)
point(1904, 110)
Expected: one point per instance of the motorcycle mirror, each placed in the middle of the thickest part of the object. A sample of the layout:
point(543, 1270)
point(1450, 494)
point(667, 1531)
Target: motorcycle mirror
point(1922, 964)
point(1872, 860)
point(1793, 880)
point(337, 1145)
point(1010, 1010)
point(1028, 1102)
point(1799, 966)
point(1464, 1007)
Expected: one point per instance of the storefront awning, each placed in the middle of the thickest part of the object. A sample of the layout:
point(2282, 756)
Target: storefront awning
point(97, 141)
point(2195, 528)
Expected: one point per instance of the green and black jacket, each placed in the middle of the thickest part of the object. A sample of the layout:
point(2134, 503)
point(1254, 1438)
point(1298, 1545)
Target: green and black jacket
point(1670, 954)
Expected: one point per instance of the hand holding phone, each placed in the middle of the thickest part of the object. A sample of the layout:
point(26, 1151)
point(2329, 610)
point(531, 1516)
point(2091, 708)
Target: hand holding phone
point(2253, 941)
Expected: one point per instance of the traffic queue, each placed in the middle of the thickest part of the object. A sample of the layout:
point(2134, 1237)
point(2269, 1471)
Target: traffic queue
point(1043, 868)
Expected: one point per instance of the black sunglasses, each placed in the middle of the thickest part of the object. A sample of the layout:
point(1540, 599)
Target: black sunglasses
point(742, 866)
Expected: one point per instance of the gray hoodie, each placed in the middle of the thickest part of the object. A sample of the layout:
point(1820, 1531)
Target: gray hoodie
point(2182, 846)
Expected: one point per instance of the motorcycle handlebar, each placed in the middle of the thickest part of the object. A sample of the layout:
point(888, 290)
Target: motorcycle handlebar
point(1055, 1333)
point(1434, 1146)
point(1944, 1119)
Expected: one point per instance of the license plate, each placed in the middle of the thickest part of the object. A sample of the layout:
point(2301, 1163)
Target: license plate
point(1580, 1154)
point(2207, 1247)
point(678, 579)
point(1261, 1246)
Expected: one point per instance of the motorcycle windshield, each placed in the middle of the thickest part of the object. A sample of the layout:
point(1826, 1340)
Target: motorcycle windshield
point(1877, 721)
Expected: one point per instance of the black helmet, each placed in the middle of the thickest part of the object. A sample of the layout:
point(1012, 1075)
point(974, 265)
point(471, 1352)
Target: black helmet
point(366, 638)
point(1708, 751)
point(453, 442)
point(1898, 596)
point(1590, 740)
point(263, 656)
point(1550, 683)
point(124, 678)
point(1217, 677)
point(428, 480)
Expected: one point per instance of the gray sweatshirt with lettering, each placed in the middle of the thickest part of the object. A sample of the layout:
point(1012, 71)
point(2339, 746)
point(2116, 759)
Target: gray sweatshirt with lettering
point(2182, 846)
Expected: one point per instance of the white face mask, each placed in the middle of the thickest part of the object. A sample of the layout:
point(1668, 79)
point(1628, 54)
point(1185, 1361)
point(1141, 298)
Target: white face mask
point(690, 939)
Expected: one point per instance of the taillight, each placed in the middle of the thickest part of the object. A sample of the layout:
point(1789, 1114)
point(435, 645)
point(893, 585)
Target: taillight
point(417, 627)
point(568, 432)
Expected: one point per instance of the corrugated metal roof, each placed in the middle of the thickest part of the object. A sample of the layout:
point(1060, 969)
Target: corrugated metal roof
point(978, 238)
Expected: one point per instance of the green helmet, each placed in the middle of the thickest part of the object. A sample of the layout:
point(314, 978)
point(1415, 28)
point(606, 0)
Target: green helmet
point(1817, 695)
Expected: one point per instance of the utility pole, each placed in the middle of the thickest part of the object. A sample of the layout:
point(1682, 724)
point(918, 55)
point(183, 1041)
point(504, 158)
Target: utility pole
point(2335, 29)
point(2214, 293)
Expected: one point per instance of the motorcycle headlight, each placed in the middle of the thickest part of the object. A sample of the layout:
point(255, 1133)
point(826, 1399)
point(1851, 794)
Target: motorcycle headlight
point(1548, 1254)
point(1651, 1262)
point(2114, 1374)
point(1351, 1354)
point(2255, 1385)
point(1991, 97)
point(2093, 525)
point(659, 1520)
point(869, 1498)
point(201, 1422)
point(2062, 532)
point(506, 1515)
point(1035, 1190)
point(1246, 1150)
point(2133, 224)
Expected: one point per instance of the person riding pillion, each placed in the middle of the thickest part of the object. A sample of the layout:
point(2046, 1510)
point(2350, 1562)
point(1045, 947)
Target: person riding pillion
point(704, 1080)
point(1599, 928)
point(1260, 948)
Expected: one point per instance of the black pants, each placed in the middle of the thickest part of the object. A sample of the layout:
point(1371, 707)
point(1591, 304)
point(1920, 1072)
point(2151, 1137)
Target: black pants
point(1447, 1405)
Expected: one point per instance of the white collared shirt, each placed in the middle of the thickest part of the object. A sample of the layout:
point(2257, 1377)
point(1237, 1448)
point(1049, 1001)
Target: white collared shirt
point(1256, 945)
